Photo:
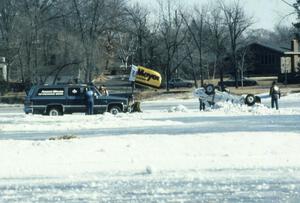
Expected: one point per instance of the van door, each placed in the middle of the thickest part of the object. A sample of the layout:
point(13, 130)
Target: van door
point(76, 100)
point(100, 102)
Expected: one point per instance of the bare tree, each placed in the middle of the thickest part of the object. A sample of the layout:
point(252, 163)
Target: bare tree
point(138, 17)
point(237, 23)
point(8, 16)
point(196, 30)
point(217, 41)
point(191, 51)
point(36, 18)
point(173, 34)
point(127, 47)
point(97, 20)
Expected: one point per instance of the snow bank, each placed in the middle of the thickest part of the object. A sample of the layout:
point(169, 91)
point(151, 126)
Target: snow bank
point(148, 154)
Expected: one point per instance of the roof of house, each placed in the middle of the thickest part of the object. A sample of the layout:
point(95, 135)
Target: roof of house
point(274, 48)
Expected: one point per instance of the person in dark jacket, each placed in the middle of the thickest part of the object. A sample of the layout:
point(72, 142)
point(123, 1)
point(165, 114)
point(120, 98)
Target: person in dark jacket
point(89, 101)
point(275, 95)
point(201, 105)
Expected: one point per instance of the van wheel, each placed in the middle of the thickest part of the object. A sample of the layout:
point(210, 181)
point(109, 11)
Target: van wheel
point(54, 112)
point(250, 100)
point(114, 110)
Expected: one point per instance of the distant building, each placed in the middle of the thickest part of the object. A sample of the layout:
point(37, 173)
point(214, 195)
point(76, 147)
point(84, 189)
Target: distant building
point(290, 62)
point(290, 65)
point(263, 59)
point(257, 59)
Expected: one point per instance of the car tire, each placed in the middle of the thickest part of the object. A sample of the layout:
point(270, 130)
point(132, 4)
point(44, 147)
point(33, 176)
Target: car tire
point(54, 112)
point(189, 85)
point(114, 110)
point(250, 100)
point(209, 89)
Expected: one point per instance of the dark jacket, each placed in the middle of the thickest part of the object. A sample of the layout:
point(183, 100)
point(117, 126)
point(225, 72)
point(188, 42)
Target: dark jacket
point(89, 96)
point(275, 92)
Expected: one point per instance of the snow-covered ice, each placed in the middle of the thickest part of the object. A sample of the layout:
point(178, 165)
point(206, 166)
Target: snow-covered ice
point(171, 152)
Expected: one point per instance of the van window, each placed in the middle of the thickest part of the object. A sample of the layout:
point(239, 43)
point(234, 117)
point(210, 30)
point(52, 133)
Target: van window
point(31, 91)
point(51, 92)
point(76, 91)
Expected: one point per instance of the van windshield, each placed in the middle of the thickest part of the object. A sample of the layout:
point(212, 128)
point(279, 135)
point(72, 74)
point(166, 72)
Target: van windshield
point(31, 91)
point(96, 91)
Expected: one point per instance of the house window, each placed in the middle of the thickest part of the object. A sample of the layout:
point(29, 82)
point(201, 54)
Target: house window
point(273, 59)
point(266, 60)
point(269, 59)
point(261, 59)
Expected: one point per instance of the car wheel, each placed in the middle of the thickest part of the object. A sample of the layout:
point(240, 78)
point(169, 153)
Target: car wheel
point(54, 112)
point(114, 110)
point(250, 100)
point(210, 89)
point(189, 85)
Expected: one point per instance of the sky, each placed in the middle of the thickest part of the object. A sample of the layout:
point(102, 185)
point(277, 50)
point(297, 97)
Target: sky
point(266, 13)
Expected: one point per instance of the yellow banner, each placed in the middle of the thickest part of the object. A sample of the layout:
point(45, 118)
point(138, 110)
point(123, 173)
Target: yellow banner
point(148, 77)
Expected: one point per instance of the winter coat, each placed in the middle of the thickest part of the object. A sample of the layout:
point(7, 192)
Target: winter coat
point(89, 96)
point(275, 92)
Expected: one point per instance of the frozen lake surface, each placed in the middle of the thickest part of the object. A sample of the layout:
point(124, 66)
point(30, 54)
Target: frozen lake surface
point(207, 186)
point(169, 153)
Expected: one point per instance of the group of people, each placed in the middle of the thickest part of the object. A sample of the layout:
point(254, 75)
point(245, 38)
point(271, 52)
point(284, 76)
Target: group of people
point(89, 94)
point(275, 95)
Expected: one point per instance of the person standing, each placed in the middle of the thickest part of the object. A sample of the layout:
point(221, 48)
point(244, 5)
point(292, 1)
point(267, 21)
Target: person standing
point(90, 101)
point(201, 105)
point(275, 95)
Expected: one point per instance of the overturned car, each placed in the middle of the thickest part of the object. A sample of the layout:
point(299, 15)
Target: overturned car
point(211, 95)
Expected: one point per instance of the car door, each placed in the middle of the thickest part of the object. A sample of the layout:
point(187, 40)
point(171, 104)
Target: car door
point(76, 99)
point(100, 102)
point(45, 96)
point(181, 83)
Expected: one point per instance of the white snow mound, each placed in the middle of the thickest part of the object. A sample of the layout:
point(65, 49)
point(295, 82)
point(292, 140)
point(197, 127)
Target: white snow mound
point(179, 108)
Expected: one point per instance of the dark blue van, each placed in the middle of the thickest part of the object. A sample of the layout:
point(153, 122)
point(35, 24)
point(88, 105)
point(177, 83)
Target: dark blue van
point(66, 99)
